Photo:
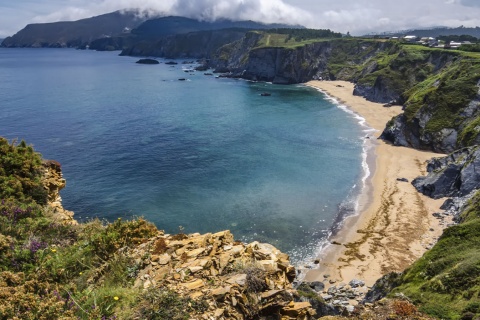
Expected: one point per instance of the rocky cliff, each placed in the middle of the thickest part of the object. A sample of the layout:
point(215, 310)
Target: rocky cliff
point(252, 59)
point(53, 182)
point(456, 175)
point(441, 112)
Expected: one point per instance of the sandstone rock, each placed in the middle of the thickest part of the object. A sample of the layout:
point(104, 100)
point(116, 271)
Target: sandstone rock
point(213, 269)
point(53, 182)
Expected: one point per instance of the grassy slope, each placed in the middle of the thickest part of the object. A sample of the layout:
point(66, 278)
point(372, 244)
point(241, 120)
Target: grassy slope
point(49, 269)
point(445, 282)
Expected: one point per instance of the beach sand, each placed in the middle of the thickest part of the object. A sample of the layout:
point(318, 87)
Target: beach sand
point(395, 225)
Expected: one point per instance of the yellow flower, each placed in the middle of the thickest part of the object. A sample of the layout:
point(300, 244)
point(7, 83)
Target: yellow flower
point(116, 298)
point(80, 273)
point(53, 250)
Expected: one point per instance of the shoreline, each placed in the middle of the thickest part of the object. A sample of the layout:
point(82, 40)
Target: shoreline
point(393, 224)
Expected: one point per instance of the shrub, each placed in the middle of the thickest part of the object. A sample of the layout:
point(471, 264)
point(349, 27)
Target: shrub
point(21, 172)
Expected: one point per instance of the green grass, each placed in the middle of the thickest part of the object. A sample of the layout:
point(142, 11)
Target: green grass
point(445, 282)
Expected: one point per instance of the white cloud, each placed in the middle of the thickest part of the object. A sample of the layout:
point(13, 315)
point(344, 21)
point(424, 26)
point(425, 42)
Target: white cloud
point(356, 16)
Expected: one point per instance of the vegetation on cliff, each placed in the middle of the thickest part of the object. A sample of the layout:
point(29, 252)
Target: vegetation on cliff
point(445, 282)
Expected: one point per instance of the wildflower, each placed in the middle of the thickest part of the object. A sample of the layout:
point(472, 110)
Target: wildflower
point(53, 250)
point(80, 273)
point(116, 298)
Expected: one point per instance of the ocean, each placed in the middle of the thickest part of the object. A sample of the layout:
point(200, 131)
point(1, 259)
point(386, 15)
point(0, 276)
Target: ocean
point(201, 155)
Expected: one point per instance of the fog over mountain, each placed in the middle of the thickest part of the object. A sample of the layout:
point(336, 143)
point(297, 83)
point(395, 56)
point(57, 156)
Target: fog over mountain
point(356, 16)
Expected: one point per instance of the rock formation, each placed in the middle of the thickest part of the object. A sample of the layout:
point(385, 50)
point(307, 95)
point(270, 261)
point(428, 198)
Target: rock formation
point(232, 280)
point(54, 182)
point(455, 175)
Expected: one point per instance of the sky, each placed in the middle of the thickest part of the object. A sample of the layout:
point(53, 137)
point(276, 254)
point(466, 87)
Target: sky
point(355, 16)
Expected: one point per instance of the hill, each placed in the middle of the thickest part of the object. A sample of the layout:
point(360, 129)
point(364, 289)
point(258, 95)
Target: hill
point(73, 33)
point(436, 32)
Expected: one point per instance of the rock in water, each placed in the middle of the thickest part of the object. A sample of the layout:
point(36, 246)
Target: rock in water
point(148, 61)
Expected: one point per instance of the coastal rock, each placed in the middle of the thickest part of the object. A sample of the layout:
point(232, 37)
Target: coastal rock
point(382, 287)
point(381, 91)
point(237, 280)
point(356, 283)
point(426, 128)
point(147, 61)
point(53, 182)
point(455, 175)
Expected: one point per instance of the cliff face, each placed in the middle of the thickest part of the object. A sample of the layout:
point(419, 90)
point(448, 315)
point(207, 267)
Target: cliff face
point(441, 112)
point(334, 59)
point(453, 176)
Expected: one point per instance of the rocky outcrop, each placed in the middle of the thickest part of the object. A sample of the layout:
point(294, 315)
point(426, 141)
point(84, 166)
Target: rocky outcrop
point(442, 116)
point(230, 279)
point(53, 182)
point(381, 91)
point(147, 61)
point(456, 175)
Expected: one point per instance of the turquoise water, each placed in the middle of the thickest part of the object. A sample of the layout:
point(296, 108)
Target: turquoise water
point(205, 154)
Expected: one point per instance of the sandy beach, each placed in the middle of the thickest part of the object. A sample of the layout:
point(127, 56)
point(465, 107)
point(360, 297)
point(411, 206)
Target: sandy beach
point(394, 225)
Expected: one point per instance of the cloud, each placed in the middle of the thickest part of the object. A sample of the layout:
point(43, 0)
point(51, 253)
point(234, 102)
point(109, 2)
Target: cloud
point(357, 16)
point(470, 3)
point(259, 10)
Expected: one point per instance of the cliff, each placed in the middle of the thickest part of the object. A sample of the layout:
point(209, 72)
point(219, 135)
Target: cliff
point(256, 57)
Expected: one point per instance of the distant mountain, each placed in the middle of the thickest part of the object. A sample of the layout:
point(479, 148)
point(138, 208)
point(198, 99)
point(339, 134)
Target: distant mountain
point(177, 25)
point(73, 33)
point(437, 31)
point(118, 30)
point(154, 37)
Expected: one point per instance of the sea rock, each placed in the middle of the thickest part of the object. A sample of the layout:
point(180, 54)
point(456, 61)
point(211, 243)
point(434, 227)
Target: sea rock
point(147, 61)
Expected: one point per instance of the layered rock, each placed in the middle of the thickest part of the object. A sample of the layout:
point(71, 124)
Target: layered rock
point(231, 279)
point(53, 182)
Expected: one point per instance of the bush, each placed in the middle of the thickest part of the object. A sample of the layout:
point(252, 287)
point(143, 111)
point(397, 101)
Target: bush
point(21, 172)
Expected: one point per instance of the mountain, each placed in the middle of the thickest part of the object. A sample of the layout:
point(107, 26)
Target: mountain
point(177, 25)
point(157, 37)
point(74, 33)
point(118, 30)
point(438, 31)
